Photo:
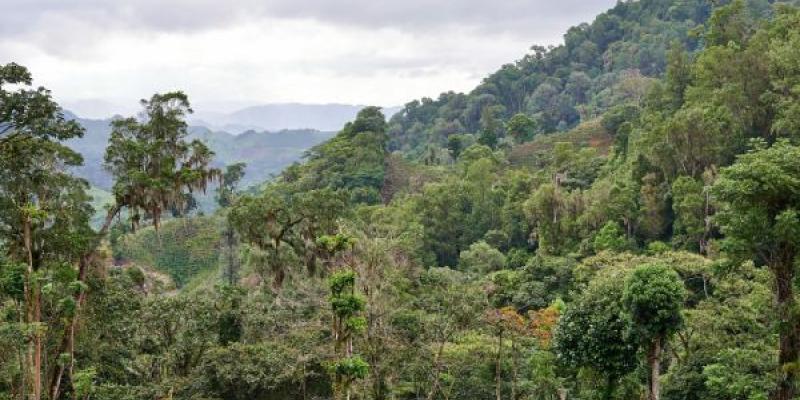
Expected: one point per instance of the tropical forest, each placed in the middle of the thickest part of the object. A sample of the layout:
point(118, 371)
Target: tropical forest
point(613, 217)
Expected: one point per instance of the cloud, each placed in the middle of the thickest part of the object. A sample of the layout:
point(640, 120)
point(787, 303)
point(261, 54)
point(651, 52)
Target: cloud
point(516, 17)
point(93, 52)
point(508, 16)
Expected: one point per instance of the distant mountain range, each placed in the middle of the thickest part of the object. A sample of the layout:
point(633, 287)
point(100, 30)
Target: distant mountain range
point(266, 153)
point(266, 137)
point(275, 117)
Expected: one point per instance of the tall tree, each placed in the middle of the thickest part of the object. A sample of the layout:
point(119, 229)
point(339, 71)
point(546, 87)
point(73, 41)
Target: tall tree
point(653, 297)
point(691, 208)
point(229, 182)
point(348, 322)
point(44, 211)
point(592, 333)
point(784, 57)
point(152, 162)
point(679, 73)
point(154, 167)
point(490, 127)
point(758, 213)
point(226, 195)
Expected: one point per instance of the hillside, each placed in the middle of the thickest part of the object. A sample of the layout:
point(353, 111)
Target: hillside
point(601, 64)
point(615, 218)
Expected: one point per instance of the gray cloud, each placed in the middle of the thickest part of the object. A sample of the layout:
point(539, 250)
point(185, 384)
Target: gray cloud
point(98, 54)
point(518, 17)
point(513, 16)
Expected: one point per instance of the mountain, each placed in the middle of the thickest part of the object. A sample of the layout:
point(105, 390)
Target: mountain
point(273, 117)
point(265, 152)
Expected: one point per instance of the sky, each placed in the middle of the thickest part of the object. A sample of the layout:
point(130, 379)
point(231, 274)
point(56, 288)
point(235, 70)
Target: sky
point(99, 57)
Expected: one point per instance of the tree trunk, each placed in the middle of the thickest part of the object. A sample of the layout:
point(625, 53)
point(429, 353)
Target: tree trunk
point(654, 359)
point(304, 384)
point(34, 314)
point(233, 268)
point(19, 392)
point(37, 340)
point(437, 367)
point(608, 391)
point(68, 338)
point(515, 369)
point(497, 366)
point(789, 337)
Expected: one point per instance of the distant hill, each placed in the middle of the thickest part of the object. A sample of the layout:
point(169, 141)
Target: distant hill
point(265, 153)
point(274, 117)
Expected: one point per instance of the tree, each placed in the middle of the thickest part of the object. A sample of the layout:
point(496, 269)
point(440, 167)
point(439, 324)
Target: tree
point(552, 209)
point(444, 207)
point(229, 182)
point(592, 333)
point(729, 24)
point(521, 128)
point(448, 303)
point(455, 144)
point(286, 225)
point(726, 350)
point(226, 195)
point(27, 113)
point(348, 322)
point(151, 161)
point(678, 76)
point(653, 209)
point(154, 167)
point(784, 56)
point(44, 210)
point(490, 127)
point(481, 258)
point(610, 237)
point(759, 199)
point(506, 322)
point(653, 297)
point(690, 206)
point(354, 160)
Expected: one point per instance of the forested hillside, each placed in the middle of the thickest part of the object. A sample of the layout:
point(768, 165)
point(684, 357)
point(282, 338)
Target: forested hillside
point(614, 218)
point(602, 64)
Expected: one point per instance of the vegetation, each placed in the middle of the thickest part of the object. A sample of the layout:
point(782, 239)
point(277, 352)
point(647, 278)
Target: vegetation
point(614, 218)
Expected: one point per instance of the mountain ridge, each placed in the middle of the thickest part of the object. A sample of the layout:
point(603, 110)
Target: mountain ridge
point(279, 116)
point(264, 152)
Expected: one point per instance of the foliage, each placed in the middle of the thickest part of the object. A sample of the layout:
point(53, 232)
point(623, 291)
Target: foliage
point(654, 296)
point(610, 237)
point(44, 232)
point(593, 332)
point(182, 248)
point(352, 161)
point(151, 161)
point(758, 213)
point(588, 222)
point(481, 258)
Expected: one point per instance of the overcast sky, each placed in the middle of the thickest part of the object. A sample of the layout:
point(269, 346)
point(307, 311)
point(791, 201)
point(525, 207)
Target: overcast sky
point(100, 56)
